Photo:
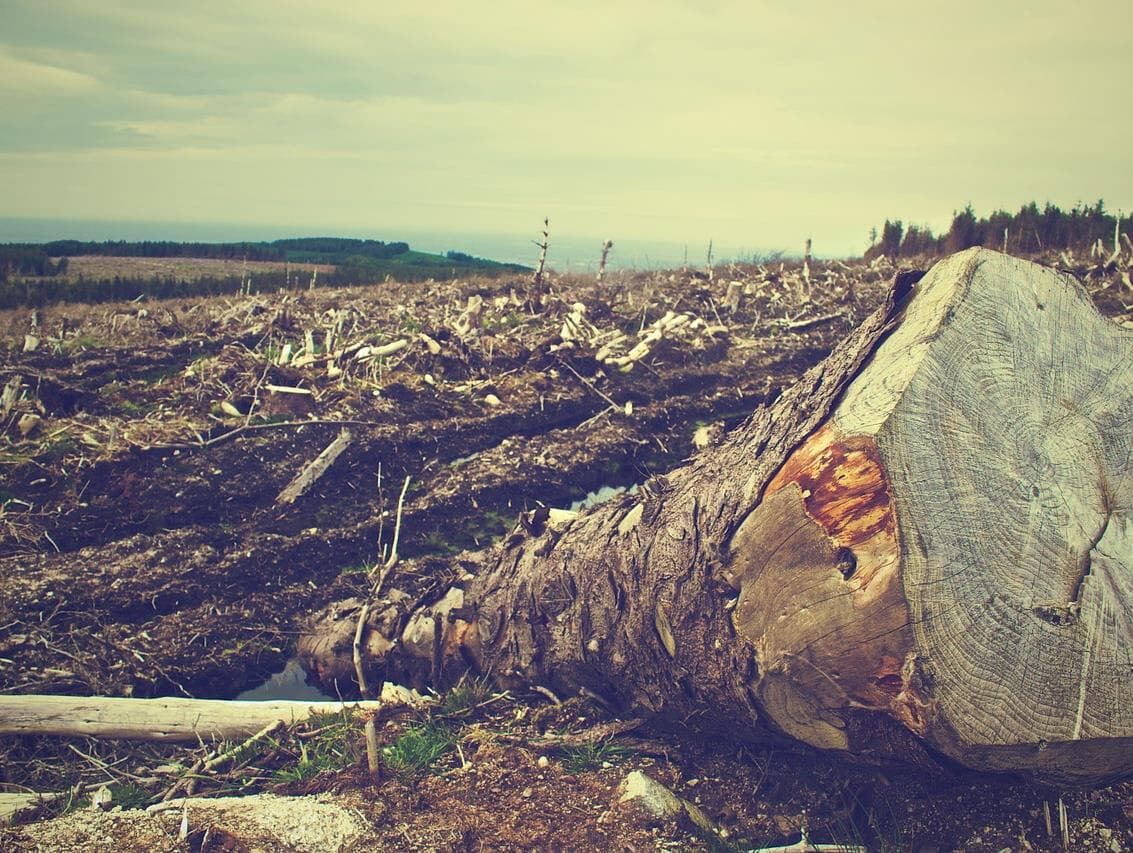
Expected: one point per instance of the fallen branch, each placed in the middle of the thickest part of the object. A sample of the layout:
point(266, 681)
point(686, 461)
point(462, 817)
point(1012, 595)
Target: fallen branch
point(311, 474)
point(798, 325)
point(592, 387)
point(219, 761)
point(170, 719)
point(288, 389)
point(12, 803)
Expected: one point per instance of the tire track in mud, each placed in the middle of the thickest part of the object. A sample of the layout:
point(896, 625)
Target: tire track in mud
point(147, 491)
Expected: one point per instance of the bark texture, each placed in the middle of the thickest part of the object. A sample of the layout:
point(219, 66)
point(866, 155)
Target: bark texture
point(925, 541)
point(630, 600)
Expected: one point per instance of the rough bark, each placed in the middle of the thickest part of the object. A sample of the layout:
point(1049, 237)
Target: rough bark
point(925, 541)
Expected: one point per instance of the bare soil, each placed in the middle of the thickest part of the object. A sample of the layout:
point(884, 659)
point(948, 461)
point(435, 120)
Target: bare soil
point(144, 550)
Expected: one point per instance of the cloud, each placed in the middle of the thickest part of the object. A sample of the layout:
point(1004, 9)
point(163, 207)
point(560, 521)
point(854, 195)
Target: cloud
point(763, 119)
point(38, 79)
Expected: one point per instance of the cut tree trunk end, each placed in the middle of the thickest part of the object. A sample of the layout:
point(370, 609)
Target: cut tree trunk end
point(924, 542)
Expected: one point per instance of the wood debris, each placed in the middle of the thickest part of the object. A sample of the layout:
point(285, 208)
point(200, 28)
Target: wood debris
point(319, 466)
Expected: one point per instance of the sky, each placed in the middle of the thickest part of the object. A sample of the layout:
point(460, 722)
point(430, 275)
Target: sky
point(753, 124)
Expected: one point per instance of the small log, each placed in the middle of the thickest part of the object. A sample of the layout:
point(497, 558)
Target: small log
point(288, 389)
point(171, 719)
point(310, 475)
point(12, 803)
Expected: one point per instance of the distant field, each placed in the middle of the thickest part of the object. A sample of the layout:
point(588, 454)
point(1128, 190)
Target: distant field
point(99, 267)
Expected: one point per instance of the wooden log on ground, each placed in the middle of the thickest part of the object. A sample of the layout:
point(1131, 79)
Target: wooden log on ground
point(312, 472)
point(926, 542)
point(171, 719)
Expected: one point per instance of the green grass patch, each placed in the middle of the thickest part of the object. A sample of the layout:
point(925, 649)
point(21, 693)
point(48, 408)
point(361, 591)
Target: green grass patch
point(133, 409)
point(482, 530)
point(418, 747)
point(357, 569)
point(160, 374)
point(130, 796)
point(58, 447)
point(465, 696)
point(591, 756)
point(337, 746)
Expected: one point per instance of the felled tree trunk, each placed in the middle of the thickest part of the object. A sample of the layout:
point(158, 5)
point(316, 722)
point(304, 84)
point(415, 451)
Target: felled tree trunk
point(926, 541)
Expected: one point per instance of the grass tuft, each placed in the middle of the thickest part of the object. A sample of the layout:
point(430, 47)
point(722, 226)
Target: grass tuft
point(418, 747)
point(591, 756)
point(465, 696)
point(337, 746)
point(130, 796)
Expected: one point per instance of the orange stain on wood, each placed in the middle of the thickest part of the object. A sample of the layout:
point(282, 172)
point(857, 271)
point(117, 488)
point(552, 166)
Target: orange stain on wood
point(846, 492)
point(844, 485)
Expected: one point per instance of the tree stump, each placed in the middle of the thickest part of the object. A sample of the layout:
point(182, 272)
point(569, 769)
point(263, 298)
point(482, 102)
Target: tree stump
point(925, 542)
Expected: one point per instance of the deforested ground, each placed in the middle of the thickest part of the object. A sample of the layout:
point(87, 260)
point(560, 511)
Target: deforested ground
point(157, 536)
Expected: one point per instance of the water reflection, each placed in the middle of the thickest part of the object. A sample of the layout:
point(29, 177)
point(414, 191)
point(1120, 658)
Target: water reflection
point(290, 684)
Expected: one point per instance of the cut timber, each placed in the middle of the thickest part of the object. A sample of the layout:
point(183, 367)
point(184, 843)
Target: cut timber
point(959, 551)
point(168, 719)
point(925, 542)
point(1002, 410)
point(310, 475)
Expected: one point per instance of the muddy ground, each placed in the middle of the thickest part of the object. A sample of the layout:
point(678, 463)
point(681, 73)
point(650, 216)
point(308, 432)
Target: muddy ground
point(145, 549)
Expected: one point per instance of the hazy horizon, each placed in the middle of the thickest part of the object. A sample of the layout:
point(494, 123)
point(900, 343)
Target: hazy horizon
point(569, 252)
point(753, 125)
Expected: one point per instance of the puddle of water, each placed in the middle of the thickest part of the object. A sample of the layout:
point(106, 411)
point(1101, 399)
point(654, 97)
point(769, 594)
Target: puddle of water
point(604, 493)
point(290, 684)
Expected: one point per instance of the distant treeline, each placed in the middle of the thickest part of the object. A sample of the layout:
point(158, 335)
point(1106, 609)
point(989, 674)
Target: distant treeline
point(26, 259)
point(33, 258)
point(32, 293)
point(1030, 231)
point(32, 274)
